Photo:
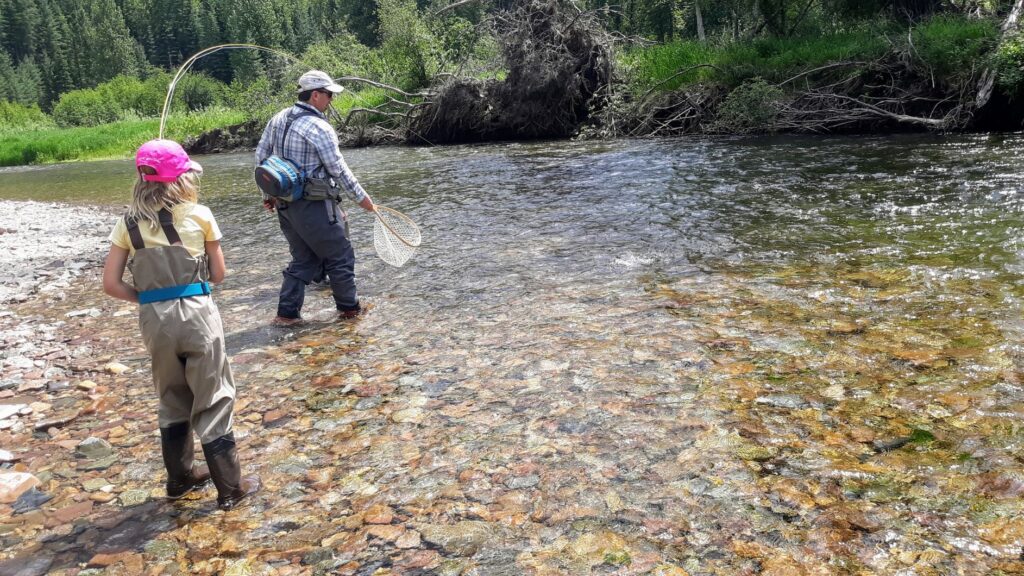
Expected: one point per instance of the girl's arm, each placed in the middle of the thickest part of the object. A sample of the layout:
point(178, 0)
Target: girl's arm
point(216, 258)
point(113, 272)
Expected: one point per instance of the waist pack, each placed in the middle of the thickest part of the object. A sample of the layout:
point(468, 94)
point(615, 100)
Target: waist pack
point(279, 177)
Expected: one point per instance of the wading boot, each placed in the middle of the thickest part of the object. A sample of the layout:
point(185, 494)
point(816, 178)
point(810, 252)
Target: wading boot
point(183, 476)
point(222, 458)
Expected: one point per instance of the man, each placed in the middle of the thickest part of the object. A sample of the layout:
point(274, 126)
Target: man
point(315, 226)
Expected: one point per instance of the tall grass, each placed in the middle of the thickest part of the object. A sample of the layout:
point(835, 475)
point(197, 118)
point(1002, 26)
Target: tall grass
point(949, 46)
point(114, 140)
point(774, 59)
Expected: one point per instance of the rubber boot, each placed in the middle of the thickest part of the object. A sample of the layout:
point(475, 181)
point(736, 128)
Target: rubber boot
point(222, 457)
point(178, 449)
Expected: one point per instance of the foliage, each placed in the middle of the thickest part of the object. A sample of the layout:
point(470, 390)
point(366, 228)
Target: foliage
point(115, 140)
point(954, 49)
point(341, 55)
point(128, 97)
point(733, 63)
point(1009, 62)
point(751, 107)
point(18, 117)
point(406, 57)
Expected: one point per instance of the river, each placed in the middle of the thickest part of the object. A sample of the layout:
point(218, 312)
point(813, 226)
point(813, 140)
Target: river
point(792, 355)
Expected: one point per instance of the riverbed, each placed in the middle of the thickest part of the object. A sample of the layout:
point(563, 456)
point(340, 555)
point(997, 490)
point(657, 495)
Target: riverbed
point(715, 356)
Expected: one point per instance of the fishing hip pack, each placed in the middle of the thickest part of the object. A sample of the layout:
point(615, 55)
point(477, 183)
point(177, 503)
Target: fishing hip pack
point(280, 177)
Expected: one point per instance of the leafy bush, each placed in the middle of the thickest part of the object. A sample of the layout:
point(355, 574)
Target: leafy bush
point(751, 107)
point(14, 116)
point(259, 99)
point(406, 57)
point(342, 55)
point(1009, 63)
point(199, 91)
point(87, 107)
point(126, 97)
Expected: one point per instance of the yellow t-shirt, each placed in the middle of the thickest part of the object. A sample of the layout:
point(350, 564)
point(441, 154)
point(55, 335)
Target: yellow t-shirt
point(194, 223)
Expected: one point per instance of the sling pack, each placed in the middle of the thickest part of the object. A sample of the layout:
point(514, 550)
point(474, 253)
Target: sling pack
point(280, 177)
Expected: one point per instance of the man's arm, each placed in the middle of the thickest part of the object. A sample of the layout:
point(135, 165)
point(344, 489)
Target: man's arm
point(266, 146)
point(326, 142)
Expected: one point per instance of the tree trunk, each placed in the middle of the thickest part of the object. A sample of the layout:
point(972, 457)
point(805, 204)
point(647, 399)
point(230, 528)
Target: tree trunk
point(988, 77)
point(700, 21)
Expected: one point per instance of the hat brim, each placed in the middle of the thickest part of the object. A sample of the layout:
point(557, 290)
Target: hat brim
point(333, 88)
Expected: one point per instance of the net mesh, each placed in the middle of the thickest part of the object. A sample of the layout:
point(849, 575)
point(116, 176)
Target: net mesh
point(395, 236)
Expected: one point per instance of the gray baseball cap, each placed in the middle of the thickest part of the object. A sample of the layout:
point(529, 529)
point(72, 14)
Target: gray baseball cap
point(317, 80)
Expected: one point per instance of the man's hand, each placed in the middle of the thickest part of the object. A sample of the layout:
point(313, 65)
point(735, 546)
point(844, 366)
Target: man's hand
point(270, 204)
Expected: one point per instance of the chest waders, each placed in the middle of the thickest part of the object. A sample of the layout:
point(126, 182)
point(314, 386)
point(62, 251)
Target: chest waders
point(181, 328)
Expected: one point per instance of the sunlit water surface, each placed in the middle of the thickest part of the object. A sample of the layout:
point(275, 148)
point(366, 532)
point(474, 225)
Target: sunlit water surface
point(718, 356)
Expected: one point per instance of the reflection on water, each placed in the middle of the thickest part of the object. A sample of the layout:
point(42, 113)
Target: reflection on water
point(792, 355)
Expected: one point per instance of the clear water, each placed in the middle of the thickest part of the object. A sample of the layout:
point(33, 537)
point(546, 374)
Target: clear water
point(717, 355)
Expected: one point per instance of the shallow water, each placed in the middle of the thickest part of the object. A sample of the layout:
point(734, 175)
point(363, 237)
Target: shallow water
point(773, 355)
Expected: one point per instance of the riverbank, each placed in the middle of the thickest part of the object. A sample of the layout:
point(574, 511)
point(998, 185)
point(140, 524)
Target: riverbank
point(44, 247)
point(877, 77)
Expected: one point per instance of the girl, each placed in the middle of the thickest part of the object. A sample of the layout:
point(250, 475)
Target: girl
point(174, 246)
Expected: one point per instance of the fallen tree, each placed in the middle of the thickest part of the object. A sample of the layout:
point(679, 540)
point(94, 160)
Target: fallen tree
point(556, 61)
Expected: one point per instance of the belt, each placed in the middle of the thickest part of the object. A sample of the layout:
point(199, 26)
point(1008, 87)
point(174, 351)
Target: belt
point(172, 292)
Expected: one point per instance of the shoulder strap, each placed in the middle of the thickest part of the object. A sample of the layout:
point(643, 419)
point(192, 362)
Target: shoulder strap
point(133, 232)
point(167, 223)
point(292, 117)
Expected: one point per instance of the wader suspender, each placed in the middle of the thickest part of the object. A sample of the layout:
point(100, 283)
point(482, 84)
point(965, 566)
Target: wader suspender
point(170, 292)
point(166, 222)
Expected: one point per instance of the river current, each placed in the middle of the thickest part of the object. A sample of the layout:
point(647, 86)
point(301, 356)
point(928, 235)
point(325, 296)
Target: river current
point(693, 356)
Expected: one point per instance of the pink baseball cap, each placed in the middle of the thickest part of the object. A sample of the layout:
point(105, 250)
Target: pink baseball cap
point(167, 158)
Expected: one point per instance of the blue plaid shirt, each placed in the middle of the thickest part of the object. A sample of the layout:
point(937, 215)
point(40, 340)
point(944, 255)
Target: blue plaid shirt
point(312, 144)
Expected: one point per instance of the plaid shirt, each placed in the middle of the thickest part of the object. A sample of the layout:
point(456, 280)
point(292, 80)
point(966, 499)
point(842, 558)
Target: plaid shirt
point(312, 144)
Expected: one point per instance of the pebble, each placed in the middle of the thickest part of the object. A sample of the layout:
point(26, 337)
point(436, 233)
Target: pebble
point(94, 448)
point(791, 401)
point(134, 497)
point(115, 368)
point(14, 484)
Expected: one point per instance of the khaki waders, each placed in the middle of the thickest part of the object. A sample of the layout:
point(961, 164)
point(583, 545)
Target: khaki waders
point(182, 330)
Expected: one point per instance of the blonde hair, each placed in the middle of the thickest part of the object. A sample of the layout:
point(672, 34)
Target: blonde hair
point(148, 198)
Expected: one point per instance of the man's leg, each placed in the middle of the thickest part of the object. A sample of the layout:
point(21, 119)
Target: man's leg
point(301, 269)
point(325, 233)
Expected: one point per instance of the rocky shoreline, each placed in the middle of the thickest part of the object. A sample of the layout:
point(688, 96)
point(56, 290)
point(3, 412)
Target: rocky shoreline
point(45, 246)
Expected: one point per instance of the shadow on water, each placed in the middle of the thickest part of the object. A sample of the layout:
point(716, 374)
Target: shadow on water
point(113, 532)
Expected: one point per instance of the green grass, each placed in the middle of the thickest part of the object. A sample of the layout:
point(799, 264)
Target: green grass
point(114, 140)
point(774, 59)
point(948, 46)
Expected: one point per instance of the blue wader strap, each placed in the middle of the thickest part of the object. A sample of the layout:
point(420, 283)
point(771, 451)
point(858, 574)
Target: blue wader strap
point(173, 292)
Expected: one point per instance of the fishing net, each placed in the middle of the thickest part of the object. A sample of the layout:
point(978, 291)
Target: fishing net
point(395, 236)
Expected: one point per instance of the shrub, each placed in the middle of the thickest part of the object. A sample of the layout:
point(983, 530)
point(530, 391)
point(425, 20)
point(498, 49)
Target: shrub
point(14, 116)
point(1009, 64)
point(199, 91)
point(87, 107)
point(751, 107)
point(342, 55)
